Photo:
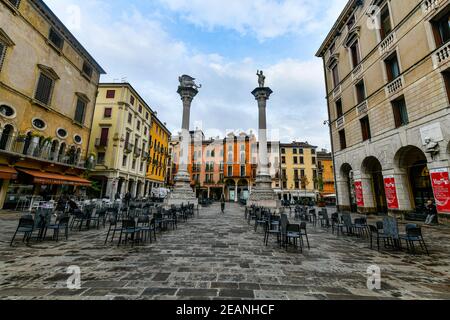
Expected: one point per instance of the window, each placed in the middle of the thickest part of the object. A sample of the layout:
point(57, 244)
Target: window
point(101, 158)
point(283, 151)
point(77, 138)
point(140, 109)
point(15, 3)
point(242, 171)
point(283, 160)
point(87, 70)
point(2, 53)
point(301, 151)
point(110, 94)
point(313, 160)
point(302, 160)
point(56, 39)
point(356, 57)
point(365, 128)
point(132, 99)
point(392, 67)
point(147, 115)
point(141, 168)
point(124, 161)
point(7, 111)
point(400, 112)
point(441, 29)
point(295, 160)
point(342, 139)
point(80, 111)
point(385, 22)
point(297, 185)
point(107, 113)
point(313, 151)
point(61, 133)
point(351, 22)
point(446, 76)
point(104, 137)
point(360, 92)
point(335, 73)
point(130, 118)
point(39, 124)
point(230, 171)
point(138, 126)
point(44, 89)
point(133, 166)
point(145, 131)
point(339, 112)
point(294, 151)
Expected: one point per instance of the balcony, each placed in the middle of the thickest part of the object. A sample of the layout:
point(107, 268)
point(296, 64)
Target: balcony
point(442, 55)
point(337, 92)
point(129, 147)
point(431, 5)
point(137, 152)
point(387, 44)
point(43, 150)
point(101, 143)
point(362, 108)
point(340, 122)
point(394, 87)
point(145, 155)
point(357, 72)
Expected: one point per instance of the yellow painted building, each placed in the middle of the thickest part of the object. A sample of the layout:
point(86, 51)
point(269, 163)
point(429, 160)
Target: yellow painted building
point(298, 171)
point(326, 173)
point(120, 141)
point(159, 153)
point(48, 86)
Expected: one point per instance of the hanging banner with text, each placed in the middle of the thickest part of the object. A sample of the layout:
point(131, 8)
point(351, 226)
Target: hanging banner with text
point(359, 194)
point(391, 192)
point(441, 187)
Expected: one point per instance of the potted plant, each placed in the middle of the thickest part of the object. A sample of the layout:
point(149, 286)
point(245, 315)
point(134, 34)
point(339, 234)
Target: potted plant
point(34, 144)
point(20, 143)
point(46, 147)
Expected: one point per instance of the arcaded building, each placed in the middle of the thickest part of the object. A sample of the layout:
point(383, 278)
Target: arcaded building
point(388, 86)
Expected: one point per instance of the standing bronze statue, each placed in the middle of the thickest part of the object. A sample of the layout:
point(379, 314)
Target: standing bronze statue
point(261, 78)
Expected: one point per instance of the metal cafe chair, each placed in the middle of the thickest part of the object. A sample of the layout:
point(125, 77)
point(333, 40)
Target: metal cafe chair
point(26, 226)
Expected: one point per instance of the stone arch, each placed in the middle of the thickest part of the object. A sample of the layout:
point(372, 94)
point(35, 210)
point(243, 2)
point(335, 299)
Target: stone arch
point(412, 164)
point(61, 152)
point(54, 150)
point(78, 156)
point(373, 185)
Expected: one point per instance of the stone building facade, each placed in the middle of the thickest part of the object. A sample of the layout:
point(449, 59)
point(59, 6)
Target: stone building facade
point(48, 87)
point(388, 87)
point(120, 140)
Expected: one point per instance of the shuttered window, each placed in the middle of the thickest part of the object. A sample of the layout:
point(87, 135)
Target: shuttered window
point(400, 112)
point(44, 89)
point(110, 94)
point(80, 111)
point(104, 137)
point(365, 128)
point(108, 113)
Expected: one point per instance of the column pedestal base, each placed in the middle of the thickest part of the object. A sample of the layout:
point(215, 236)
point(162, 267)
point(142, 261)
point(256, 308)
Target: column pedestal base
point(263, 195)
point(182, 193)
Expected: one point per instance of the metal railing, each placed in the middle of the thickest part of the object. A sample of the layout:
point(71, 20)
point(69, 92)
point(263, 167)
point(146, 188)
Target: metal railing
point(40, 149)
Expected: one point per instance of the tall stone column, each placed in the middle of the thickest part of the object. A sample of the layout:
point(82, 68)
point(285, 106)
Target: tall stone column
point(263, 194)
point(182, 191)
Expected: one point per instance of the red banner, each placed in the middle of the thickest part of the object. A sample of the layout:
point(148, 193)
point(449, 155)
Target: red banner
point(359, 194)
point(441, 188)
point(391, 192)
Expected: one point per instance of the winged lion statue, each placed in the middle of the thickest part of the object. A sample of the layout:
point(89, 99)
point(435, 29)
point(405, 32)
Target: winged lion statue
point(188, 81)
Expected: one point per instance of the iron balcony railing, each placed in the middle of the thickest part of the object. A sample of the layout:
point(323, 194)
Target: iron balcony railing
point(129, 147)
point(44, 149)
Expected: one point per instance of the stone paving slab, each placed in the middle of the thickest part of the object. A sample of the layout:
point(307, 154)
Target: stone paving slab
point(219, 257)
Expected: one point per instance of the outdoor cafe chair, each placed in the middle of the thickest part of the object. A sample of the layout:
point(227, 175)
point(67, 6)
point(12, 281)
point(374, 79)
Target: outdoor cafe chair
point(304, 233)
point(312, 217)
point(129, 230)
point(113, 226)
point(260, 220)
point(272, 228)
point(26, 226)
point(62, 223)
point(336, 224)
point(293, 232)
point(414, 234)
point(375, 231)
point(147, 227)
point(361, 227)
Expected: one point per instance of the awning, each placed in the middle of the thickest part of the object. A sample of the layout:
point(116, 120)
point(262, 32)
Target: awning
point(54, 178)
point(8, 173)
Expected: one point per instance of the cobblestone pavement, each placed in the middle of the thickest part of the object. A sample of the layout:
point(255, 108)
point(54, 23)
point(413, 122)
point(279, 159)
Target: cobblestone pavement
point(219, 257)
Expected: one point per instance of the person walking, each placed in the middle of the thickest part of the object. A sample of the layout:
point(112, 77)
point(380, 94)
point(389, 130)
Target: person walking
point(127, 199)
point(431, 211)
point(222, 203)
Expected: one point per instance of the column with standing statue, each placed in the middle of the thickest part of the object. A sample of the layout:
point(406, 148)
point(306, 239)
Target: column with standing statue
point(263, 195)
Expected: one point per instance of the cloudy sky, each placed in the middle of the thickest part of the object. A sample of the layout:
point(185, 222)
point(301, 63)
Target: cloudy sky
point(222, 44)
